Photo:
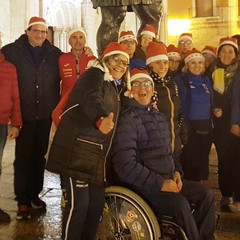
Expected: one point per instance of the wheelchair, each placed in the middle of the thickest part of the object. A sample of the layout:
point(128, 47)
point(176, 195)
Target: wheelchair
point(126, 216)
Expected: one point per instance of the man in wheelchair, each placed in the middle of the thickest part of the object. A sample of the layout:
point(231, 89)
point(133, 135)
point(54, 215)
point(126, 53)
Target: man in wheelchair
point(142, 159)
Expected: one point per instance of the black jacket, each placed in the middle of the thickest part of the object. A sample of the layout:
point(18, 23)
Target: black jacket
point(39, 84)
point(79, 149)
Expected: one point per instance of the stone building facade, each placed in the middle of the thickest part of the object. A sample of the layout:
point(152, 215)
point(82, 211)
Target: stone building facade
point(209, 20)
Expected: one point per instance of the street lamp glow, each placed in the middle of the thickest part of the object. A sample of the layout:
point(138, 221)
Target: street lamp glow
point(178, 26)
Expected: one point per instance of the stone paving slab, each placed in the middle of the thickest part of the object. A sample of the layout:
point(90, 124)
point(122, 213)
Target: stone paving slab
point(47, 225)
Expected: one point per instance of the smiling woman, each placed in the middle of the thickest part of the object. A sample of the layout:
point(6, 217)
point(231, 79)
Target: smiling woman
point(226, 83)
point(166, 94)
point(89, 128)
point(117, 64)
point(196, 93)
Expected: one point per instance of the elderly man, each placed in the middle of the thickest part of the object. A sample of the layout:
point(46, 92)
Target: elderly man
point(142, 159)
point(75, 62)
point(114, 12)
point(36, 61)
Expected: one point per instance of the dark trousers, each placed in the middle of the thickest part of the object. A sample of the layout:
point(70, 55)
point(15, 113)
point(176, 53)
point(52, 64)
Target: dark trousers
point(198, 226)
point(29, 164)
point(228, 152)
point(195, 155)
point(83, 209)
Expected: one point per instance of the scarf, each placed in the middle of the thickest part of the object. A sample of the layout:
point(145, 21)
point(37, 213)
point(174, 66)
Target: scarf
point(223, 76)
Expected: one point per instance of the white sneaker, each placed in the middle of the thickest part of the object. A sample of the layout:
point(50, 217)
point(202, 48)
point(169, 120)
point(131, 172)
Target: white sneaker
point(234, 207)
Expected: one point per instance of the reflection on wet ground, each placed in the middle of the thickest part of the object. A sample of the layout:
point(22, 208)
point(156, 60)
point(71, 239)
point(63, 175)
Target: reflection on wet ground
point(47, 225)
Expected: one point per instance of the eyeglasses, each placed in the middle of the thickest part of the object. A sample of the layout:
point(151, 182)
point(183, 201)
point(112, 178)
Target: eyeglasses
point(36, 31)
point(119, 61)
point(188, 42)
point(128, 42)
point(137, 84)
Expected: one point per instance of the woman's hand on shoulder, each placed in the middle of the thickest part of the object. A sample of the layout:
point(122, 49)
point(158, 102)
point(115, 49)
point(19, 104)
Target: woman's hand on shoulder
point(88, 51)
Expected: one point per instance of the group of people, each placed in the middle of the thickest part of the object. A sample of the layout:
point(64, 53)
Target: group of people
point(141, 114)
point(210, 98)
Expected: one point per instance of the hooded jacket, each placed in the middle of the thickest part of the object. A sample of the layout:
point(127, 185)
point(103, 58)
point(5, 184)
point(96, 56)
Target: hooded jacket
point(79, 149)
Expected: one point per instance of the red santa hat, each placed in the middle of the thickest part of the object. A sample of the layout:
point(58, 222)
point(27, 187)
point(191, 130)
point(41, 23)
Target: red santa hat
point(139, 73)
point(150, 30)
point(210, 50)
point(37, 20)
point(192, 55)
point(135, 74)
point(155, 52)
point(114, 48)
point(77, 29)
point(173, 51)
point(185, 36)
point(228, 41)
point(127, 35)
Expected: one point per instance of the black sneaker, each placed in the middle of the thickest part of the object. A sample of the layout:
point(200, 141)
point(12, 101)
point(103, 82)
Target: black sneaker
point(23, 212)
point(4, 217)
point(37, 203)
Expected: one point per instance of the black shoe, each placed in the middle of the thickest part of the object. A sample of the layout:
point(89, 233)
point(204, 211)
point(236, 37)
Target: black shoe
point(37, 203)
point(23, 212)
point(4, 217)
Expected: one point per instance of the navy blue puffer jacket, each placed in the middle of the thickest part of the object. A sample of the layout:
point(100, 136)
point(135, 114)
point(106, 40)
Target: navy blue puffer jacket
point(141, 151)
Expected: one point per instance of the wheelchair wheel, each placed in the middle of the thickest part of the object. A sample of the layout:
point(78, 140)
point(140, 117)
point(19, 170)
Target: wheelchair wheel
point(126, 216)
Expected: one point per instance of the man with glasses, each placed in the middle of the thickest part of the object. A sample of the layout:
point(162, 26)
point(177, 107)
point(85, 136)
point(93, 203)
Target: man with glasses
point(185, 42)
point(142, 159)
point(36, 61)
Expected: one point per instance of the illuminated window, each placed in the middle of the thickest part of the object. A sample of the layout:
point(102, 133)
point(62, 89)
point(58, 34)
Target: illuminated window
point(204, 8)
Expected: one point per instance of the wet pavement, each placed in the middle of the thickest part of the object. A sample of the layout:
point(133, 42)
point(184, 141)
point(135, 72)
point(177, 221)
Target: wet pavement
point(47, 225)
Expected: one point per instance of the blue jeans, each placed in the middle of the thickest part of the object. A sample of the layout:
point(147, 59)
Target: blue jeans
point(3, 139)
